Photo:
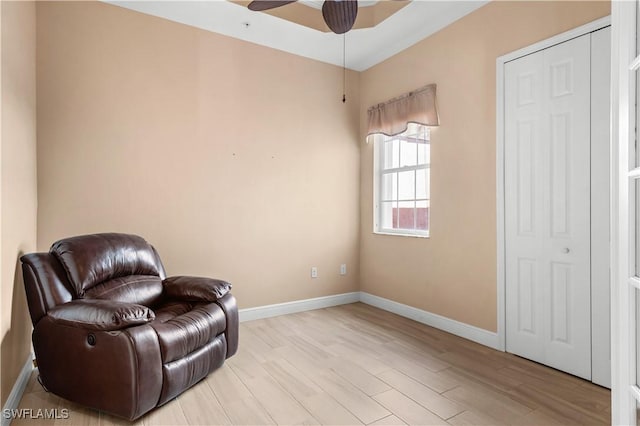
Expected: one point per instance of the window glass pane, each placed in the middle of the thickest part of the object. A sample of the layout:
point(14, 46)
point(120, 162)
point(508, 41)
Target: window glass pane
point(422, 184)
point(637, 151)
point(424, 153)
point(637, 297)
point(636, 184)
point(389, 189)
point(408, 153)
point(422, 215)
point(387, 212)
point(406, 215)
point(406, 185)
point(391, 154)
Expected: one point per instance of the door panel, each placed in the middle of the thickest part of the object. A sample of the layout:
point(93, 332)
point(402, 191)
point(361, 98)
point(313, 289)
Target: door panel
point(523, 195)
point(560, 297)
point(569, 248)
point(526, 296)
point(547, 206)
point(526, 179)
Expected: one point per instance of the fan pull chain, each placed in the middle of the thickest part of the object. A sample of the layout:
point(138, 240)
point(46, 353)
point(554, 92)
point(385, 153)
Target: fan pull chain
point(344, 68)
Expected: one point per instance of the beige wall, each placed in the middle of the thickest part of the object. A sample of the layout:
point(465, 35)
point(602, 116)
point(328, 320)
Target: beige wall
point(453, 273)
point(235, 160)
point(18, 183)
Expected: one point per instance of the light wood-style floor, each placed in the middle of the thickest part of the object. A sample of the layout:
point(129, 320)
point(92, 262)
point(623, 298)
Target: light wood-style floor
point(355, 364)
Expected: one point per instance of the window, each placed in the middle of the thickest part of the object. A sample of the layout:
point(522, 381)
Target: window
point(402, 182)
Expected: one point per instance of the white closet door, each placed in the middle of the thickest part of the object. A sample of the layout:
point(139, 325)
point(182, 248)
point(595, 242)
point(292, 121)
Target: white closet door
point(547, 206)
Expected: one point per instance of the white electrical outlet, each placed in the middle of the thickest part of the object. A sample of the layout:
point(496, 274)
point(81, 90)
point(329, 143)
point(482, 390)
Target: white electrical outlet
point(343, 269)
point(314, 272)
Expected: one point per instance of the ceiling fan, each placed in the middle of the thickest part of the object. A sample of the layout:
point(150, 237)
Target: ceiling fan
point(338, 14)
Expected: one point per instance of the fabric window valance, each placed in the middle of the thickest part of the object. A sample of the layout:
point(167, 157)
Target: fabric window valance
point(392, 117)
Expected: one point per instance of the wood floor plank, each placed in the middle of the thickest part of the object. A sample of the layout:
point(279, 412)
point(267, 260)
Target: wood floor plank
point(486, 371)
point(110, 420)
point(226, 386)
point(246, 367)
point(328, 411)
point(407, 409)
point(426, 360)
point(302, 361)
point(421, 346)
point(488, 402)
point(483, 384)
point(253, 343)
point(291, 379)
point(561, 409)
point(362, 358)
point(271, 335)
point(352, 398)
point(280, 405)
point(388, 421)
point(314, 350)
point(536, 418)
point(359, 377)
point(435, 380)
point(563, 386)
point(200, 406)
point(429, 399)
point(247, 411)
point(170, 414)
point(472, 418)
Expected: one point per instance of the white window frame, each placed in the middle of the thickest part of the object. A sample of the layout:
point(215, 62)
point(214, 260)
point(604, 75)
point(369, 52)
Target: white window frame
point(378, 171)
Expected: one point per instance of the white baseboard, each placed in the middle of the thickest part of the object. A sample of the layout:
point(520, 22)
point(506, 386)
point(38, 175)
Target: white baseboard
point(460, 329)
point(250, 314)
point(18, 389)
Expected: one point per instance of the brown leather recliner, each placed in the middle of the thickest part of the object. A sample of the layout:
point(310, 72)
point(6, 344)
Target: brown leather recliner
point(111, 332)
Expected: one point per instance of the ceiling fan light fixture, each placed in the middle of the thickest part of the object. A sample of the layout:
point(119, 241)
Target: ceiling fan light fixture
point(340, 15)
point(261, 5)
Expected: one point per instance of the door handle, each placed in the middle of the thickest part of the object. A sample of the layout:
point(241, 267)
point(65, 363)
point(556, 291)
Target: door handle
point(566, 250)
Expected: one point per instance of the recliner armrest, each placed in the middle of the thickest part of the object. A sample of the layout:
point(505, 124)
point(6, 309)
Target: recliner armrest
point(195, 289)
point(103, 315)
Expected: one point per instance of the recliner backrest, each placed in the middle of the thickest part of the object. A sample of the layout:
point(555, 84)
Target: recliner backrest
point(90, 260)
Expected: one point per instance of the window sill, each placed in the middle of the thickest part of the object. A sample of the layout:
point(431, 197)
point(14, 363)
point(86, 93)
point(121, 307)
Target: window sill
point(399, 234)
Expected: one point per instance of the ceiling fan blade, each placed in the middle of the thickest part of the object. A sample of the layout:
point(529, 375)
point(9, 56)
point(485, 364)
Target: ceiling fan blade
point(259, 5)
point(340, 14)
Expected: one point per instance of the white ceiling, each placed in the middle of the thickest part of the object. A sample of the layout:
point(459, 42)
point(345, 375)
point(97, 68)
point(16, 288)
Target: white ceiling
point(365, 47)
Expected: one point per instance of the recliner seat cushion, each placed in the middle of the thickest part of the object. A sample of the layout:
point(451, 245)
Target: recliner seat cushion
point(184, 333)
point(92, 259)
point(171, 309)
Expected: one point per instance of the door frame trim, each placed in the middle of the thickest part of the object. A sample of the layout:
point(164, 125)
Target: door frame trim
point(623, 120)
point(500, 198)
